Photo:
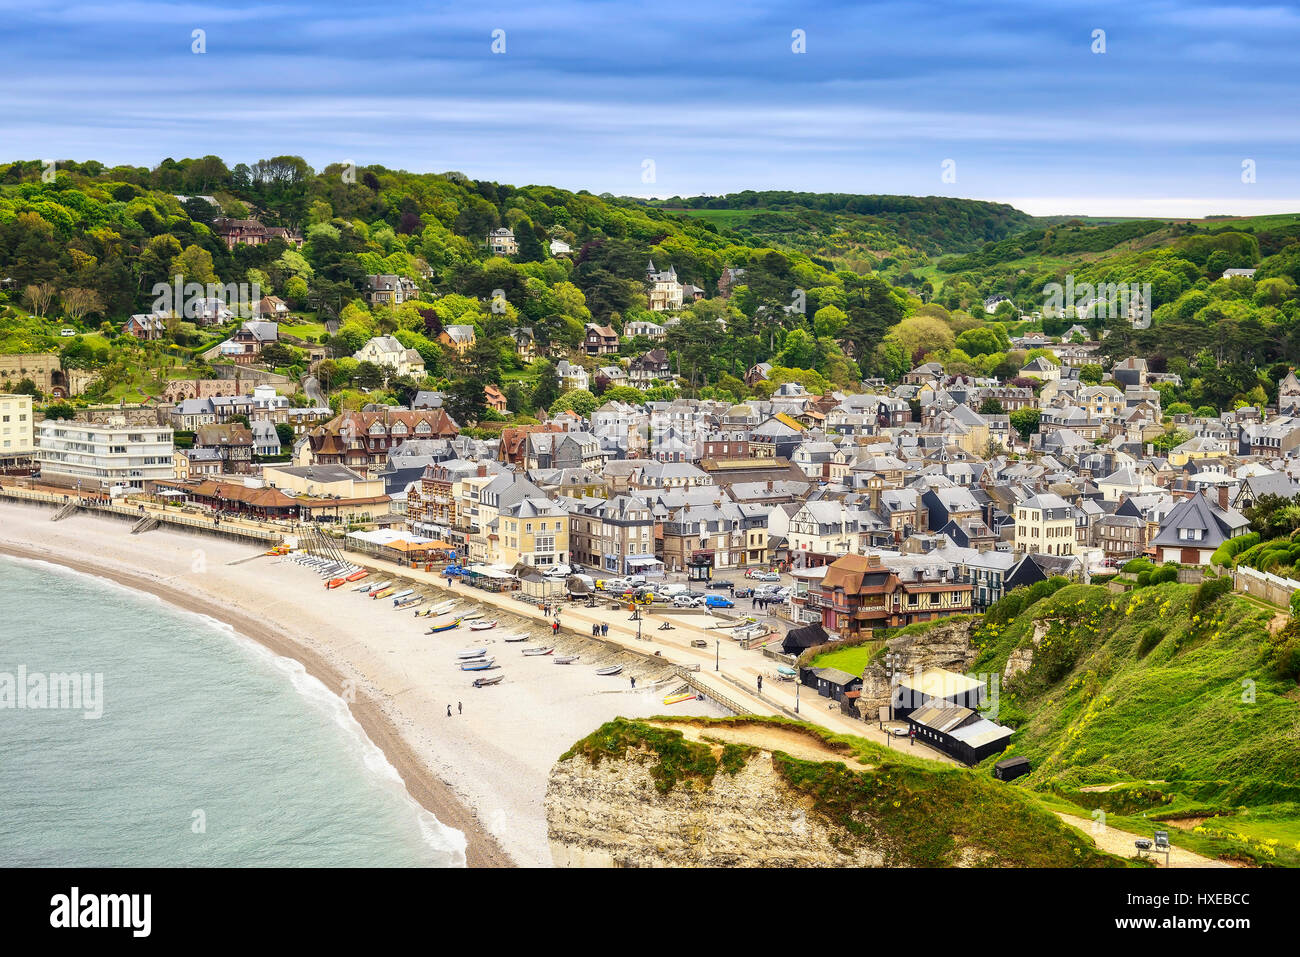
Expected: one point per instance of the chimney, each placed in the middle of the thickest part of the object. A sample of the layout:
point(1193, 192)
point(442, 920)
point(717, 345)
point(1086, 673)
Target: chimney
point(873, 561)
point(1223, 496)
point(482, 470)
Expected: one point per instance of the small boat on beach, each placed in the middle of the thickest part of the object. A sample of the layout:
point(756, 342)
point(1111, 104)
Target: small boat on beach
point(335, 582)
point(409, 602)
point(357, 576)
point(371, 586)
point(477, 664)
point(611, 670)
point(785, 672)
point(519, 637)
point(679, 697)
point(471, 616)
point(399, 595)
point(383, 593)
point(538, 651)
point(566, 659)
point(490, 680)
point(472, 653)
point(443, 626)
point(486, 624)
point(442, 607)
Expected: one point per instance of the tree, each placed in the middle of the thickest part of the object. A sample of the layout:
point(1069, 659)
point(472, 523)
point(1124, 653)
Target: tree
point(1091, 374)
point(579, 401)
point(1025, 421)
point(547, 389)
point(39, 296)
point(284, 432)
point(992, 406)
point(79, 303)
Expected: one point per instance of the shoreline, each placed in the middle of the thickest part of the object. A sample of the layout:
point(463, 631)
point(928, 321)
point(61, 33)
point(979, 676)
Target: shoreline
point(482, 848)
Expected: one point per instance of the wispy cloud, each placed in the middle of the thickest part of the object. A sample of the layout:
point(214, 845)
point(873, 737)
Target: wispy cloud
point(586, 90)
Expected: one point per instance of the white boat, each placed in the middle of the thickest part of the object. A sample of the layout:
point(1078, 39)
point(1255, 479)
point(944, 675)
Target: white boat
point(611, 670)
point(399, 595)
point(471, 653)
point(410, 602)
point(485, 624)
point(538, 651)
point(443, 606)
point(378, 586)
point(519, 637)
point(471, 616)
point(565, 659)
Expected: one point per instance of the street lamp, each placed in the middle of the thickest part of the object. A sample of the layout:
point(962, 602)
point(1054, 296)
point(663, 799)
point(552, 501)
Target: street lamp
point(797, 683)
point(717, 652)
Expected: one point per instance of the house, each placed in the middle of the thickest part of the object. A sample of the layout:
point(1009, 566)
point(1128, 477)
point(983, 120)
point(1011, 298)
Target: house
point(1045, 523)
point(1229, 273)
point(390, 290)
point(730, 278)
point(17, 429)
point(388, 353)
point(533, 531)
point(649, 370)
point(1041, 368)
point(268, 307)
point(245, 346)
point(494, 398)
point(600, 340)
point(992, 302)
point(859, 594)
point(231, 442)
point(665, 291)
point(1194, 528)
point(196, 463)
point(146, 327)
point(525, 343)
point(571, 376)
point(458, 338)
point(501, 242)
point(616, 536)
point(646, 330)
point(560, 248)
point(757, 373)
point(363, 439)
point(234, 232)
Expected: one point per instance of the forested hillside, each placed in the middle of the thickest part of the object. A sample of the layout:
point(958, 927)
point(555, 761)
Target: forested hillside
point(830, 288)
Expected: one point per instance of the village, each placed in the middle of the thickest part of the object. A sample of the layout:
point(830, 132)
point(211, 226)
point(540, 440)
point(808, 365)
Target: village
point(832, 517)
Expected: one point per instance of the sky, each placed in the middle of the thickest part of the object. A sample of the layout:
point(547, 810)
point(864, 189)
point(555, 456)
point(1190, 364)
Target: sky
point(1004, 101)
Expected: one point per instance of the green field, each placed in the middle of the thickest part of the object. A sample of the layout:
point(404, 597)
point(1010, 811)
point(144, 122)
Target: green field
point(853, 660)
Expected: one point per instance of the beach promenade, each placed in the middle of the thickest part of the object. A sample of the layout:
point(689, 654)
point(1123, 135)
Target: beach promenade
point(727, 673)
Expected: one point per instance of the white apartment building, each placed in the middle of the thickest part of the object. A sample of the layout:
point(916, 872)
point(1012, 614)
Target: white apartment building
point(17, 433)
point(99, 456)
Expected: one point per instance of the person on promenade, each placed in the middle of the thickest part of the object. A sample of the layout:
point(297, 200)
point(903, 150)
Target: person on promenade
point(760, 684)
point(449, 711)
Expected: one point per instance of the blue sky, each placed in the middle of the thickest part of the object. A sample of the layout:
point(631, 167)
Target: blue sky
point(586, 92)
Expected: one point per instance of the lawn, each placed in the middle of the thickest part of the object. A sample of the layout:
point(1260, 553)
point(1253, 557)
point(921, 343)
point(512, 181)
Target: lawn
point(853, 660)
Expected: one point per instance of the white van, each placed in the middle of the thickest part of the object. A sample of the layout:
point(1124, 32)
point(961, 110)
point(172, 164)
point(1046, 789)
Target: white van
point(669, 590)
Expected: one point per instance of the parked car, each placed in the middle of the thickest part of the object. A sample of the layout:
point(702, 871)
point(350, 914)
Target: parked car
point(718, 601)
point(743, 593)
point(767, 577)
point(686, 601)
point(719, 583)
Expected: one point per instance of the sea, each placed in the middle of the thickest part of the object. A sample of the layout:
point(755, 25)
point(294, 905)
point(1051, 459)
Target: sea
point(200, 748)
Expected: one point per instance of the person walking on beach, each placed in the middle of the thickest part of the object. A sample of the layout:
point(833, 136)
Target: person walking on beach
point(604, 629)
point(760, 684)
point(460, 709)
point(449, 711)
point(634, 683)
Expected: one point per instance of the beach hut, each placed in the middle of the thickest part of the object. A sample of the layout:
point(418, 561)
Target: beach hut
point(959, 732)
point(830, 682)
point(798, 640)
point(1008, 769)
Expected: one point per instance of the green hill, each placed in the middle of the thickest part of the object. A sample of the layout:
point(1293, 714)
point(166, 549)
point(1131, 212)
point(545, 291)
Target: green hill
point(1171, 701)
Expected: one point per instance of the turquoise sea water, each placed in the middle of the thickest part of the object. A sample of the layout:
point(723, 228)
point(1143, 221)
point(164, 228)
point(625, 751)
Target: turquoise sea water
point(199, 727)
